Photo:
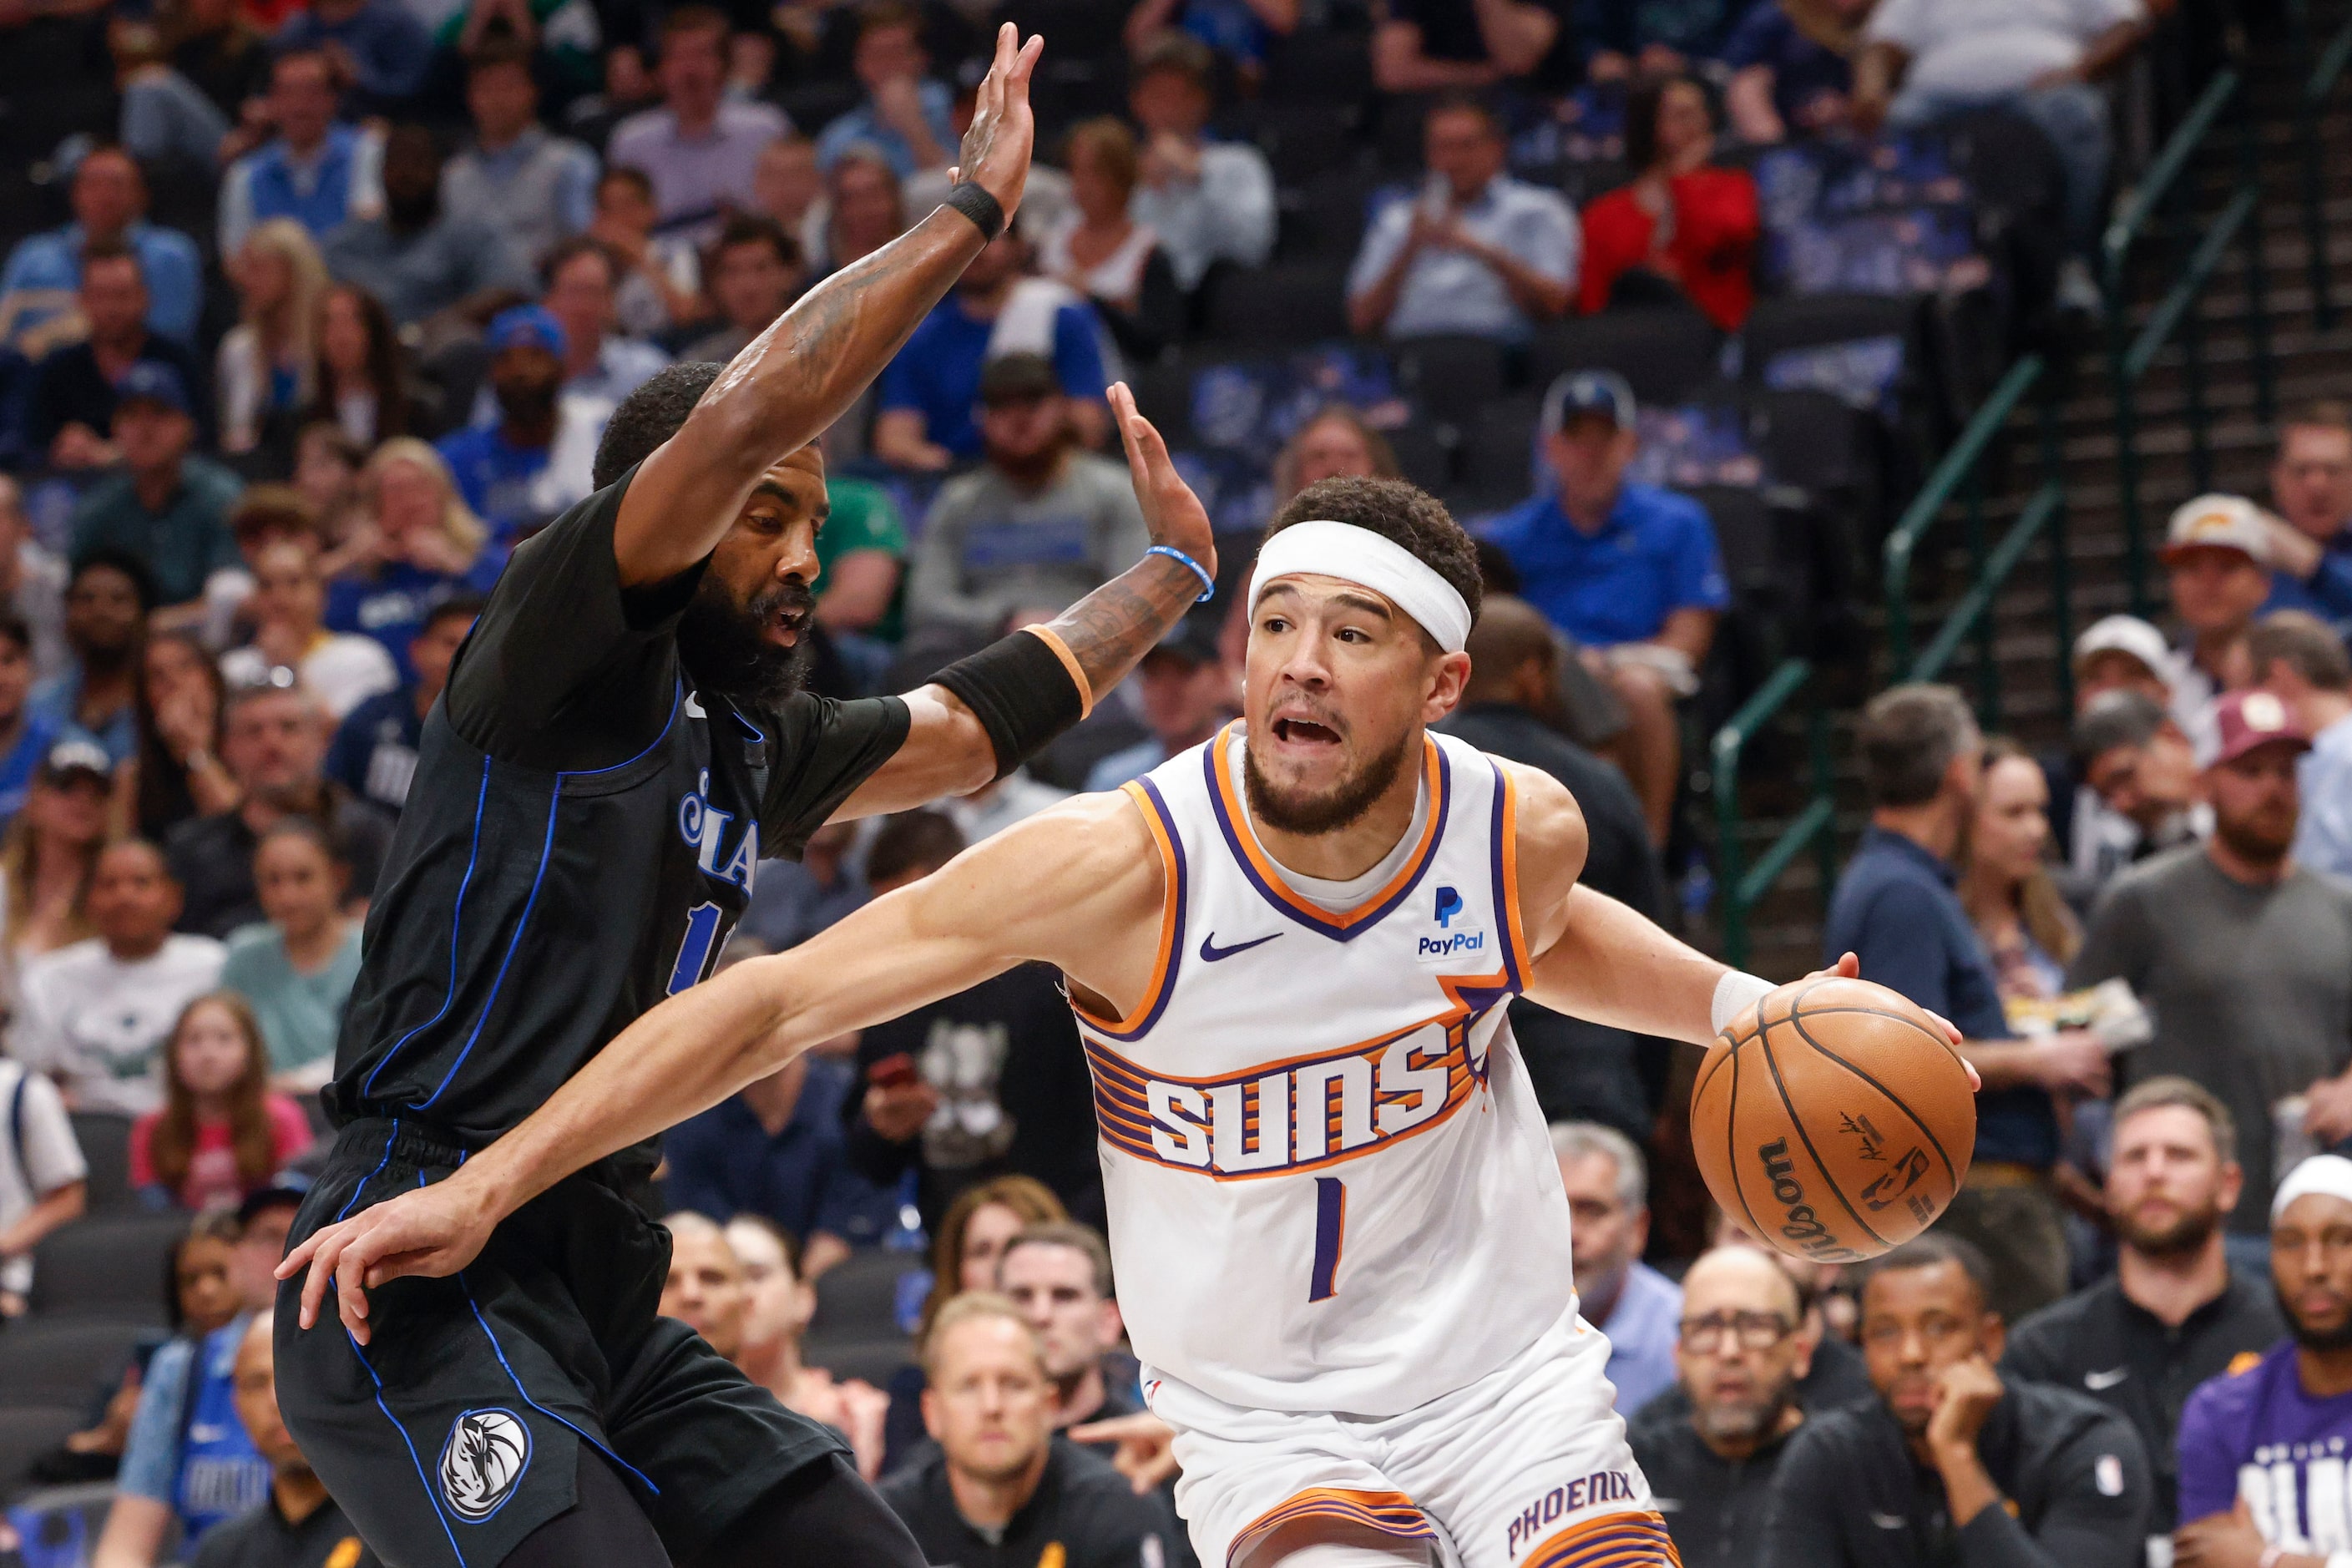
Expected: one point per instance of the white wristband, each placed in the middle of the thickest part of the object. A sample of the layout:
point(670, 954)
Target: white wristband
point(1734, 995)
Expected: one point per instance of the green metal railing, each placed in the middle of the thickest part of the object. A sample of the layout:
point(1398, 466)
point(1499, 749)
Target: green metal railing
point(2165, 197)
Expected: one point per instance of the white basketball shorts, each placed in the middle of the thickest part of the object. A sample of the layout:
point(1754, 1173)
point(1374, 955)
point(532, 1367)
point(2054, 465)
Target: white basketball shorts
point(1527, 1467)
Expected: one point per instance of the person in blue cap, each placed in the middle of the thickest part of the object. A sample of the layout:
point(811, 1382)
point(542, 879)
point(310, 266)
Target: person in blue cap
point(163, 505)
point(1629, 571)
point(496, 465)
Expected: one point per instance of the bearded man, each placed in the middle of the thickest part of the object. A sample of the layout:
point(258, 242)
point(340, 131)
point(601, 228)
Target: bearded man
point(2174, 1313)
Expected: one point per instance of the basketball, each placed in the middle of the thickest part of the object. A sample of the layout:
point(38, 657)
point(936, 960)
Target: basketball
point(1833, 1119)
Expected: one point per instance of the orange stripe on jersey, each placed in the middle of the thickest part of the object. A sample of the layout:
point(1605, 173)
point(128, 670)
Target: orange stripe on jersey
point(1390, 1514)
point(1270, 877)
point(1172, 920)
point(1611, 1540)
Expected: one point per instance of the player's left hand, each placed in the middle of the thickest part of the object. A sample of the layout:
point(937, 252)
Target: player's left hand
point(1170, 510)
point(1849, 967)
point(2219, 1541)
point(433, 1231)
point(1147, 1446)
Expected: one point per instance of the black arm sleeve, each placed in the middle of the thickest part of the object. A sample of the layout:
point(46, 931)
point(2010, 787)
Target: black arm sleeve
point(2097, 1516)
point(1022, 693)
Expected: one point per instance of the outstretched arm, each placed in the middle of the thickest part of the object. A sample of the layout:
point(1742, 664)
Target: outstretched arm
point(1078, 886)
point(1104, 636)
point(801, 374)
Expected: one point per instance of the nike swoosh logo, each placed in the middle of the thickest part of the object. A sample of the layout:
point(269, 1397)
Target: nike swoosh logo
point(1211, 953)
point(2098, 1380)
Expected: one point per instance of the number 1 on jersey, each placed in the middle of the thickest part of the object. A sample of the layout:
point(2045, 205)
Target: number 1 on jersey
point(1331, 1224)
point(699, 946)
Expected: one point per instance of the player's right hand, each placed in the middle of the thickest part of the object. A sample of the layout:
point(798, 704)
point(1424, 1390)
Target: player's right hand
point(995, 152)
point(433, 1231)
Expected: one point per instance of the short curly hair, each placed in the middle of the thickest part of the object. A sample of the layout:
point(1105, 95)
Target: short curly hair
point(650, 415)
point(1400, 512)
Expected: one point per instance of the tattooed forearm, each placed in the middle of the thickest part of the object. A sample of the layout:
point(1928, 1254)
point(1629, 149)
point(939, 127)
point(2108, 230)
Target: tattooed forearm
point(1110, 630)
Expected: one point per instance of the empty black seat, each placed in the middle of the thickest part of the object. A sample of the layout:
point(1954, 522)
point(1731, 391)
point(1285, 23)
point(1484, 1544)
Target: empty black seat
point(1451, 372)
point(1163, 394)
point(1320, 66)
point(1496, 454)
point(1779, 324)
point(1307, 143)
point(1664, 354)
point(857, 1298)
point(109, 1265)
point(1287, 304)
point(61, 1361)
point(27, 1432)
point(1820, 443)
point(1423, 454)
point(1327, 218)
point(105, 1139)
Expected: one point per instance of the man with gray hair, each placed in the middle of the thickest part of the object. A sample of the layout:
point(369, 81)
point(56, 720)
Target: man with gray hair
point(1638, 1307)
point(2140, 764)
point(1894, 909)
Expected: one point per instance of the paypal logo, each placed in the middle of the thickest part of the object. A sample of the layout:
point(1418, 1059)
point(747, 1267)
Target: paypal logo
point(704, 828)
point(1449, 904)
point(1459, 944)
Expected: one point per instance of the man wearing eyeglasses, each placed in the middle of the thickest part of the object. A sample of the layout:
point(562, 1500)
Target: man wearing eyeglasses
point(1743, 1343)
point(1953, 1464)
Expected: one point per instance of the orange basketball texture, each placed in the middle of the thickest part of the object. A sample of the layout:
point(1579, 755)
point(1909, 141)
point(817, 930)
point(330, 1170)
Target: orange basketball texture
point(1833, 1120)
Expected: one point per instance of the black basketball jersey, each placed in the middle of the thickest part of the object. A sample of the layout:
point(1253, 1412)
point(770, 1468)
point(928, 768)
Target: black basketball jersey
point(580, 835)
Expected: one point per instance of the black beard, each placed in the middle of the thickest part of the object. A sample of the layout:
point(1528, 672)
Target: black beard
point(1310, 816)
point(724, 644)
point(2336, 1338)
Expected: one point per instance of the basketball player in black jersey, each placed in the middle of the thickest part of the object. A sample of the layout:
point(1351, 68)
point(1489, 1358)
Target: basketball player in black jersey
point(620, 743)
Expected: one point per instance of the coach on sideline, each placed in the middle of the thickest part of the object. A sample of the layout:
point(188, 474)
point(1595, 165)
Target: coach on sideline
point(1950, 1464)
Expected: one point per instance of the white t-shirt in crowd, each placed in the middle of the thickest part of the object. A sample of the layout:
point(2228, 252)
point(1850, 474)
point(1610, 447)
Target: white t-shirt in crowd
point(1987, 48)
point(95, 1022)
point(38, 1155)
point(342, 669)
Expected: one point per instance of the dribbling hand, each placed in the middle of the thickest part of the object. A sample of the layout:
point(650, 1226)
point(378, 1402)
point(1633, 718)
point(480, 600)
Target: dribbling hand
point(995, 152)
point(432, 1231)
point(1170, 510)
point(1849, 967)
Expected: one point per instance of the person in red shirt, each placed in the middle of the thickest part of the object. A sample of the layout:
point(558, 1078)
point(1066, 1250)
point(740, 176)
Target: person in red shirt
point(1680, 219)
point(222, 1131)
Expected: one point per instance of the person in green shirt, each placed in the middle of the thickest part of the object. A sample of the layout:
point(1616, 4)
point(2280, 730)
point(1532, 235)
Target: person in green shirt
point(297, 968)
point(166, 506)
point(861, 581)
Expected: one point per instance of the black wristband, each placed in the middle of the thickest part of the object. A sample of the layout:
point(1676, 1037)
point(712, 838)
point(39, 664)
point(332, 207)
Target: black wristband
point(1022, 693)
point(987, 214)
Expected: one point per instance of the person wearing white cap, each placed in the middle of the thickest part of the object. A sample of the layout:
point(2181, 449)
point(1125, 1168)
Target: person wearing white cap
point(2116, 653)
point(2263, 1446)
point(1322, 908)
point(2217, 561)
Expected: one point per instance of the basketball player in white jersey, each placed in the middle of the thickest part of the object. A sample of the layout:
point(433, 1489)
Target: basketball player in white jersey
point(1341, 1238)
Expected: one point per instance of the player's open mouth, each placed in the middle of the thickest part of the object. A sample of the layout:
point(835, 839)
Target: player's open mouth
point(787, 627)
point(1304, 733)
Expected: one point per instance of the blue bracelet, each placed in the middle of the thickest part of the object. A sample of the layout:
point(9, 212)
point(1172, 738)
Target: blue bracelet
point(1208, 583)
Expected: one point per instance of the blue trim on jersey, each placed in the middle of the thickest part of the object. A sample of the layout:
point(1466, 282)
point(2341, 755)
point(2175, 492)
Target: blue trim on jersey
point(582, 1434)
point(1442, 805)
point(1182, 895)
point(390, 1138)
point(421, 1478)
point(456, 920)
point(1502, 913)
point(546, 847)
point(676, 697)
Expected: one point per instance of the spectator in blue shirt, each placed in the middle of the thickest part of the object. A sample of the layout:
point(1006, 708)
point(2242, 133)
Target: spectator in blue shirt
point(424, 548)
point(1624, 38)
point(26, 736)
point(1241, 30)
point(2311, 542)
point(1895, 910)
point(110, 206)
point(1638, 1307)
point(417, 257)
point(778, 1150)
point(71, 418)
point(107, 600)
point(495, 465)
point(905, 116)
point(388, 48)
point(1629, 571)
point(317, 171)
point(373, 754)
point(188, 1458)
point(1791, 68)
point(2300, 660)
point(930, 393)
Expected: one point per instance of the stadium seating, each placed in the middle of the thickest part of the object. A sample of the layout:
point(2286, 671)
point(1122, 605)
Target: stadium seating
point(110, 1266)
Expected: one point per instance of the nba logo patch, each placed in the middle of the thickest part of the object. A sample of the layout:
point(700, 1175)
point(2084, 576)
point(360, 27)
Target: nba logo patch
point(482, 1462)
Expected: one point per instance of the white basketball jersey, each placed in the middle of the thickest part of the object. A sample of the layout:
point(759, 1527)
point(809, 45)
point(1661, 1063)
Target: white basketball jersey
point(1329, 1185)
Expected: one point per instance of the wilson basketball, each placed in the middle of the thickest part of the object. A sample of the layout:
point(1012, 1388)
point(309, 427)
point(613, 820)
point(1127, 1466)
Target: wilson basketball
point(1833, 1119)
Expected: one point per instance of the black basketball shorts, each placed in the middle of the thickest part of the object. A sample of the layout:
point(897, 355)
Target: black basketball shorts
point(455, 1432)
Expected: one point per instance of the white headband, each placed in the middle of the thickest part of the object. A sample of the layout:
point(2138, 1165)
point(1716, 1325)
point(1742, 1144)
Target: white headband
point(1358, 556)
point(2330, 1174)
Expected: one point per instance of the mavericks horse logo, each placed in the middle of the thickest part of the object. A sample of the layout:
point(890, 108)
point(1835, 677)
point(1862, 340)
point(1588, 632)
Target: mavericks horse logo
point(483, 1462)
